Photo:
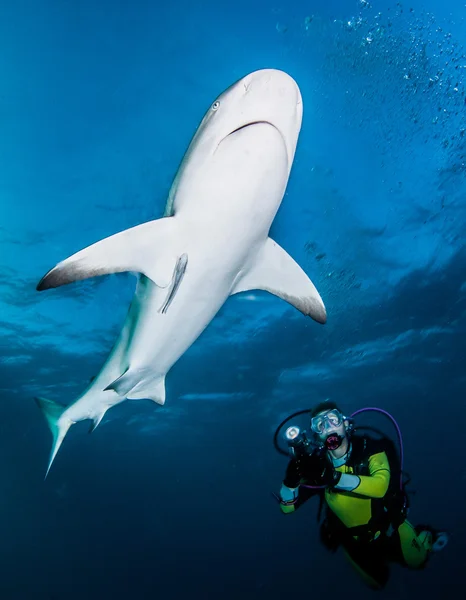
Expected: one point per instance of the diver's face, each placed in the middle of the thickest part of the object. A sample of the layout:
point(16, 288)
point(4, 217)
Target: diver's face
point(329, 422)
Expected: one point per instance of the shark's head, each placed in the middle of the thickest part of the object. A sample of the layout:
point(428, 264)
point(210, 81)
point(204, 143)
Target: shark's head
point(266, 96)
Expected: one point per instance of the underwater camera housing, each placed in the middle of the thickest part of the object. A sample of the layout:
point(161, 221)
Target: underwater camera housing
point(298, 441)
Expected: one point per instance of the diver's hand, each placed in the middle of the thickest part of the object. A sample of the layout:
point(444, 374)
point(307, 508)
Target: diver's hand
point(319, 471)
point(288, 495)
point(346, 482)
point(328, 476)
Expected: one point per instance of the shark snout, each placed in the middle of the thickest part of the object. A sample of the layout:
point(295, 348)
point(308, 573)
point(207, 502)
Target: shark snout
point(272, 81)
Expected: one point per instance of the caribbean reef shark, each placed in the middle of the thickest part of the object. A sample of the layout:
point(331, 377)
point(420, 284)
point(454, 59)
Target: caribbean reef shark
point(211, 242)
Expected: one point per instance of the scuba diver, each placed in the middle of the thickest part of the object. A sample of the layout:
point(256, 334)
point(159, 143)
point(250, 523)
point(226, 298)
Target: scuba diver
point(361, 480)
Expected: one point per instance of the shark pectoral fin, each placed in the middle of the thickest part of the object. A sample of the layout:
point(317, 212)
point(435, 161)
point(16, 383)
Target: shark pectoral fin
point(53, 412)
point(276, 272)
point(146, 248)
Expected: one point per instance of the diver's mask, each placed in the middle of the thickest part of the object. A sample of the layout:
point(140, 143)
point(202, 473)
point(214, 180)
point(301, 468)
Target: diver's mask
point(325, 421)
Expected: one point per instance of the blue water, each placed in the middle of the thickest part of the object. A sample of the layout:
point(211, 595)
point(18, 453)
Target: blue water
point(98, 101)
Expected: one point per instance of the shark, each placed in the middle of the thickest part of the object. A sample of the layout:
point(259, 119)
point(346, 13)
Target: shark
point(211, 243)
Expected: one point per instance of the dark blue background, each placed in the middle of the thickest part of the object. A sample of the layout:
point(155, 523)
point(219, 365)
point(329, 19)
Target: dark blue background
point(98, 101)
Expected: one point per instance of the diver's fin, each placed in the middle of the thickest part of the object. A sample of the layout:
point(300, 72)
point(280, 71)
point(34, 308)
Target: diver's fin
point(439, 540)
point(52, 411)
point(146, 248)
point(276, 272)
point(128, 385)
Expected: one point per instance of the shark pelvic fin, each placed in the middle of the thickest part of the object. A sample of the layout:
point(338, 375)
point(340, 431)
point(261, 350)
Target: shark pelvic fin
point(276, 272)
point(154, 390)
point(129, 385)
point(121, 384)
point(146, 248)
point(59, 427)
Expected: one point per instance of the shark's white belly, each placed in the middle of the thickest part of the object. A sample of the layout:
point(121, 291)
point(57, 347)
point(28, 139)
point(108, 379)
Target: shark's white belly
point(235, 199)
point(159, 339)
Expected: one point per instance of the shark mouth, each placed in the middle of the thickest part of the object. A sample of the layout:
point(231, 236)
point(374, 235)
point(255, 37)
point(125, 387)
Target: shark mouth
point(250, 125)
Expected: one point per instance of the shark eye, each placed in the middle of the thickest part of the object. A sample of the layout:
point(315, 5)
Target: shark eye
point(215, 105)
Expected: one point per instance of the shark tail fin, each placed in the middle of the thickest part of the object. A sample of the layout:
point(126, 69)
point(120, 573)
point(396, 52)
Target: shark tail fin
point(53, 412)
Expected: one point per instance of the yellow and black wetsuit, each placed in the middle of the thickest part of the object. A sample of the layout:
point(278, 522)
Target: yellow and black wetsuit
point(359, 515)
